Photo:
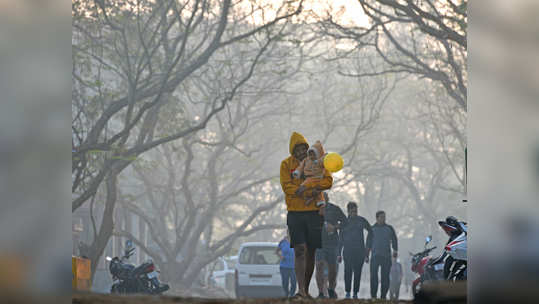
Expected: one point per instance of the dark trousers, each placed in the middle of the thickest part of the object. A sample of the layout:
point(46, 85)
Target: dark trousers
point(353, 264)
point(288, 277)
point(385, 264)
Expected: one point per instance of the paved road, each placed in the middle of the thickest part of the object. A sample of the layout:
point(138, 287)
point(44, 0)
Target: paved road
point(113, 299)
point(440, 292)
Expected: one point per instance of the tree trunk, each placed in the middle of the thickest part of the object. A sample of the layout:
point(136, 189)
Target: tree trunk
point(105, 230)
point(142, 237)
point(171, 272)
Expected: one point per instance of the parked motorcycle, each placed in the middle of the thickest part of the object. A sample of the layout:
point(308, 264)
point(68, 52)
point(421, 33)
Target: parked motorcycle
point(457, 250)
point(427, 267)
point(130, 279)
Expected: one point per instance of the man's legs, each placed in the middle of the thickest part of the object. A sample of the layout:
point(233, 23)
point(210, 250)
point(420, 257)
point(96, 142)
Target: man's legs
point(374, 276)
point(314, 222)
point(326, 294)
point(309, 268)
point(298, 230)
point(348, 269)
point(358, 266)
point(299, 260)
point(319, 272)
point(331, 260)
point(332, 276)
point(385, 262)
point(306, 235)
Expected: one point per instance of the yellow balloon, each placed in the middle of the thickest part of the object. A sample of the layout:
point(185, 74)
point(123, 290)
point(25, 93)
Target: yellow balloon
point(333, 162)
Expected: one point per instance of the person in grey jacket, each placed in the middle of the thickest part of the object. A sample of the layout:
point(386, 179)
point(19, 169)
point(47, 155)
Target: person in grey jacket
point(379, 244)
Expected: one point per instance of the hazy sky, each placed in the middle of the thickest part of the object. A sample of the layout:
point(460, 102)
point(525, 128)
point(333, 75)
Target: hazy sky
point(346, 12)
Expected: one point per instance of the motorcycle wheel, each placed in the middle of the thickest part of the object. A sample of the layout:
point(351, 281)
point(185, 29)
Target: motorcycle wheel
point(162, 288)
point(115, 289)
point(461, 275)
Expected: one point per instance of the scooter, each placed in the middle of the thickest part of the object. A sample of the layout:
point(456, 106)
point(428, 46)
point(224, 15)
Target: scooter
point(130, 279)
point(427, 267)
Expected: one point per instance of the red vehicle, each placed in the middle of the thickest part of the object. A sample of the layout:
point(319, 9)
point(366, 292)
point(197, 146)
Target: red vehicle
point(427, 267)
point(434, 269)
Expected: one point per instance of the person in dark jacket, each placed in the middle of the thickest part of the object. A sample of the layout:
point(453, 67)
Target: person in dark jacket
point(379, 244)
point(328, 256)
point(353, 242)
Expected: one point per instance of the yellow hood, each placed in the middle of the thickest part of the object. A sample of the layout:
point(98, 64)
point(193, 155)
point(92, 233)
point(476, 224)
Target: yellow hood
point(296, 139)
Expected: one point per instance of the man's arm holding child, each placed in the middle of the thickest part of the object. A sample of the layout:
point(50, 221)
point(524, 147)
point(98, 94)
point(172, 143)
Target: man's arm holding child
point(325, 183)
point(286, 180)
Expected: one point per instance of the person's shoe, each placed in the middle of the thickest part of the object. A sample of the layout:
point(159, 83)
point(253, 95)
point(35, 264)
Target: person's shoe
point(297, 296)
point(347, 296)
point(332, 294)
point(321, 296)
point(355, 295)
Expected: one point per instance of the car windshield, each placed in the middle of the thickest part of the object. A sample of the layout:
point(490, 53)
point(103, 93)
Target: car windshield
point(259, 255)
point(231, 263)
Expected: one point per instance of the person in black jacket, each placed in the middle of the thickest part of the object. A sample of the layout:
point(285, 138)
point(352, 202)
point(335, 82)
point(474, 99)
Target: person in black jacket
point(329, 255)
point(354, 248)
point(379, 244)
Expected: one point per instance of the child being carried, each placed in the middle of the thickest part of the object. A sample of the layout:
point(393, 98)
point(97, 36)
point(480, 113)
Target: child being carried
point(312, 169)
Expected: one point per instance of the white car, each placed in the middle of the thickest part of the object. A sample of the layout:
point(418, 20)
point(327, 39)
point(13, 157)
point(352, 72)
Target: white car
point(222, 275)
point(257, 271)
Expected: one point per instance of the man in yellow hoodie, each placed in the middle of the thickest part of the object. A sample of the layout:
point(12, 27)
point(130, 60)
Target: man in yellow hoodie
point(304, 221)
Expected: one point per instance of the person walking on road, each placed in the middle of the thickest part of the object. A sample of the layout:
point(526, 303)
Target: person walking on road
point(304, 220)
point(353, 243)
point(395, 279)
point(329, 255)
point(288, 275)
point(379, 244)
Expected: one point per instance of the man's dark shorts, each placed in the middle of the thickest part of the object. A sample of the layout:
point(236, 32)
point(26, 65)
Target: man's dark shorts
point(328, 254)
point(305, 227)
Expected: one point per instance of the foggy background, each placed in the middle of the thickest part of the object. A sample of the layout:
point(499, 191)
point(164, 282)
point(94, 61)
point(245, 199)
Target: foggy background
point(182, 114)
